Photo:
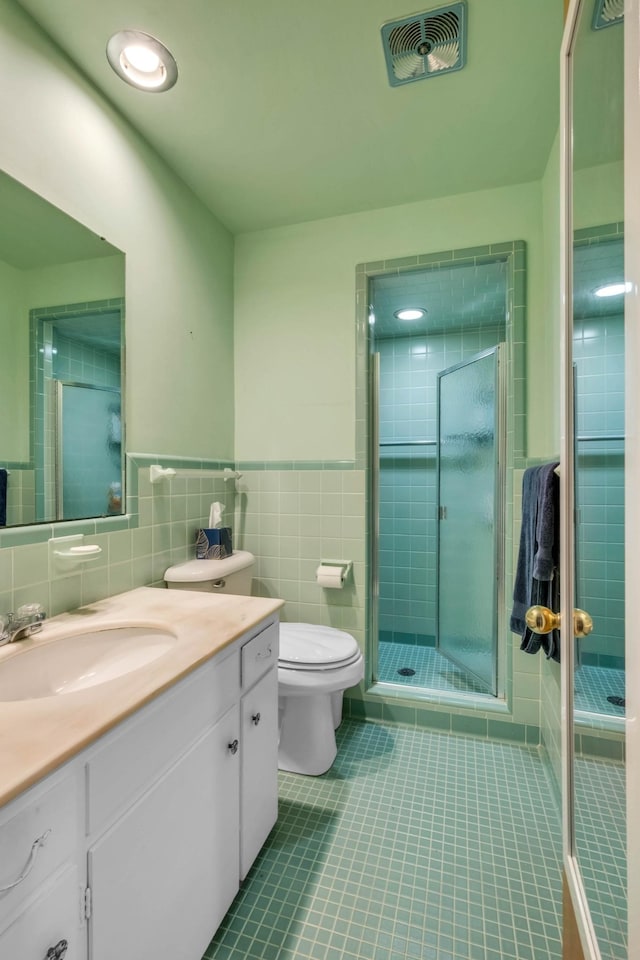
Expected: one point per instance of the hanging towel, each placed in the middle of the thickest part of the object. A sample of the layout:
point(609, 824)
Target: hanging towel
point(3, 497)
point(536, 580)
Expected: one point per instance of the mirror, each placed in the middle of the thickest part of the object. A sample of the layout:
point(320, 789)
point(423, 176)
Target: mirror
point(598, 775)
point(61, 363)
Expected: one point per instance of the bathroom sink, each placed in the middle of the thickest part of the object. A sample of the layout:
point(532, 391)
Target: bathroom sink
point(84, 660)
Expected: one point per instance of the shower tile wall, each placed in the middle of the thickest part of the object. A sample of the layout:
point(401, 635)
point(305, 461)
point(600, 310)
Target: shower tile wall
point(408, 411)
point(599, 356)
point(81, 363)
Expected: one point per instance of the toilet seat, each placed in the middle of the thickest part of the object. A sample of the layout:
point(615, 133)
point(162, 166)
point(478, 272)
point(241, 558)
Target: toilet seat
point(307, 646)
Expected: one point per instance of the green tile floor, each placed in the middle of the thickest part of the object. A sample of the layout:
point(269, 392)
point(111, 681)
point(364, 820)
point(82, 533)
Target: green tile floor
point(414, 845)
point(432, 671)
point(600, 826)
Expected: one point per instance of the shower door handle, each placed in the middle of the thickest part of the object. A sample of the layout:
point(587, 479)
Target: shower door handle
point(542, 620)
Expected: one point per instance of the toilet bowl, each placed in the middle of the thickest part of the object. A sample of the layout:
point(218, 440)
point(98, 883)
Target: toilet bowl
point(316, 664)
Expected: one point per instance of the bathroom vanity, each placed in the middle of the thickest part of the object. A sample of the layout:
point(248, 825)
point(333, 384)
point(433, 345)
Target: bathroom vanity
point(132, 808)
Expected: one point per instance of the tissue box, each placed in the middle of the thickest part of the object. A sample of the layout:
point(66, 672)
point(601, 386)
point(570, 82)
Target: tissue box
point(213, 544)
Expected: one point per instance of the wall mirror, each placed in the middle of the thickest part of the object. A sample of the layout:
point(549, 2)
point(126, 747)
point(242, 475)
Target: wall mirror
point(61, 364)
point(596, 237)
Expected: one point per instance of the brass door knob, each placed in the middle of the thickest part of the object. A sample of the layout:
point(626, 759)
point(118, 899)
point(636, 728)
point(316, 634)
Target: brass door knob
point(543, 620)
point(582, 623)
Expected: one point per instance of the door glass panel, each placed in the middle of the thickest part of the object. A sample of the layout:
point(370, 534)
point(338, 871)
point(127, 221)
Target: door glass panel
point(467, 528)
point(597, 837)
point(89, 451)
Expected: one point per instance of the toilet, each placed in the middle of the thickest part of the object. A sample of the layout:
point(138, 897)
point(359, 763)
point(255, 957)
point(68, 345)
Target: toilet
point(315, 666)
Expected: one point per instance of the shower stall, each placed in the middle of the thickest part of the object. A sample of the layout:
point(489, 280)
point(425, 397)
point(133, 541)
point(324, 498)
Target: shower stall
point(598, 352)
point(438, 458)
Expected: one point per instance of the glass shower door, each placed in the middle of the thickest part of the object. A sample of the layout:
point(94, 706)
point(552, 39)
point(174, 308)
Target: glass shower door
point(469, 547)
point(88, 470)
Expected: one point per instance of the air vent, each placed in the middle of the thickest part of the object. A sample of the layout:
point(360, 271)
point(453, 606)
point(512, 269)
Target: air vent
point(606, 13)
point(426, 44)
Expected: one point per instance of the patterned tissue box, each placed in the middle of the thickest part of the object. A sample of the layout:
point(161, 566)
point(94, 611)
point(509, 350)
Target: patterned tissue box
point(213, 544)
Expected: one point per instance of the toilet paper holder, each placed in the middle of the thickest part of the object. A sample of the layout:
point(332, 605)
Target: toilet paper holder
point(333, 573)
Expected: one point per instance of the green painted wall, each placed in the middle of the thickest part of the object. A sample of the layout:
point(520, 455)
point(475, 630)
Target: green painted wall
point(14, 368)
point(295, 313)
point(179, 292)
point(598, 195)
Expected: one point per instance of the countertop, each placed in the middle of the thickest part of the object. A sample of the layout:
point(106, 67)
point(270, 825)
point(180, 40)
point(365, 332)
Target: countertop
point(38, 735)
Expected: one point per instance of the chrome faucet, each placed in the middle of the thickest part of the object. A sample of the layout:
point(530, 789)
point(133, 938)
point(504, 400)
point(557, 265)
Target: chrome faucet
point(26, 621)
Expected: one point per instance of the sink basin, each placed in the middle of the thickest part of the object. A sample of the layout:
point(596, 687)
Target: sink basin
point(84, 660)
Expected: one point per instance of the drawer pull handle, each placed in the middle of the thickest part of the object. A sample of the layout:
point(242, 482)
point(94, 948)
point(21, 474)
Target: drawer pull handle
point(264, 654)
point(255, 719)
point(219, 584)
point(58, 952)
point(233, 747)
point(35, 846)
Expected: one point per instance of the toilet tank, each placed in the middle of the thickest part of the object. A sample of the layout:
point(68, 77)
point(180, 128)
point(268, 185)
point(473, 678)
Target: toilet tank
point(231, 575)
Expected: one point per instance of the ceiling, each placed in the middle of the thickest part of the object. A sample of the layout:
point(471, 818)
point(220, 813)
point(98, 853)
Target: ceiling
point(283, 112)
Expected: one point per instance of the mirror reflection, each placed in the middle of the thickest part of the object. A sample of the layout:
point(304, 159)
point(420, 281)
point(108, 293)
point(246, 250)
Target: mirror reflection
point(61, 362)
point(598, 353)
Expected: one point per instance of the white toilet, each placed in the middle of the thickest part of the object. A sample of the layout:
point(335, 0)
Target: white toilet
point(315, 666)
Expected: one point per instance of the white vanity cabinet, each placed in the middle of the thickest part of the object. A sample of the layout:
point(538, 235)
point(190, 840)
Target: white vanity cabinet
point(258, 744)
point(40, 841)
point(169, 810)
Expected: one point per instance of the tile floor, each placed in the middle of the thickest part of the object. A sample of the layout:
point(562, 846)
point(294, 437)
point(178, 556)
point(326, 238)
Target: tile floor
point(432, 670)
point(414, 845)
point(592, 687)
point(601, 846)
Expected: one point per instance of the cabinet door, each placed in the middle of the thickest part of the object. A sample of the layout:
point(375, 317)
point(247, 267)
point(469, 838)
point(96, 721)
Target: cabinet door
point(53, 916)
point(259, 771)
point(165, 874)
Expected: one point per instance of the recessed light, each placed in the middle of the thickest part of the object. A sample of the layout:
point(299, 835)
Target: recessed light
point(142, 61)
point(411, 313)
point(612, 289)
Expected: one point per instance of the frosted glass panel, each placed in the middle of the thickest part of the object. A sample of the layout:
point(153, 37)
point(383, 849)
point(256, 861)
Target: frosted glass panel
point(89, 451)
point(467, 527)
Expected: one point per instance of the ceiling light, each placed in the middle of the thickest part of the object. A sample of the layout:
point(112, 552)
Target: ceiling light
point(612, 289)
point(142, 61)
point(411, 313)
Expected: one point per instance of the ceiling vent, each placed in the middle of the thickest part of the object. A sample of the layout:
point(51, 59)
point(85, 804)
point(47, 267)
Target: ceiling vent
point(606, 13)
point(427, 44)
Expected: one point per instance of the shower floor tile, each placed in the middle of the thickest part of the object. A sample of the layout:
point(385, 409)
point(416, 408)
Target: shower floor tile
point(592, 687)
point(431, 670)
point(414, 845)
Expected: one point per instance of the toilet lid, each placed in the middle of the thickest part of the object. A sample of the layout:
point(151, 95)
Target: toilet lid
point(305, 645)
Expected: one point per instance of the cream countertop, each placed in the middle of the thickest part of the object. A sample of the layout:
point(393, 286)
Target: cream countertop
point(38, 735)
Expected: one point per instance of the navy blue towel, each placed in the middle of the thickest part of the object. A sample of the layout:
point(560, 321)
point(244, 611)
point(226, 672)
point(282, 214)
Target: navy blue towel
point(537, 580)
point(3, 497)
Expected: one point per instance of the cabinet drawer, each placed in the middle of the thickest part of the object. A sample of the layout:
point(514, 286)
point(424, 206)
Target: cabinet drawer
point(51, 812)
point(259, 654)
point(130, 758)
point(52, 917)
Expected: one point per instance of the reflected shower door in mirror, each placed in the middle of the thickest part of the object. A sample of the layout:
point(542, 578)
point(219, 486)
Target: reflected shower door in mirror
point(61, 322)
point(597, 838)
point(437, 477)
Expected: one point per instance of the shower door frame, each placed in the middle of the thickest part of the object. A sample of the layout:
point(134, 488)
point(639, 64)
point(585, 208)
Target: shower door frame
point(499, 500)
point(514, 253)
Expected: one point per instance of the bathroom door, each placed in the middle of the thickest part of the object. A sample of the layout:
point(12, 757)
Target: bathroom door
point(470, 510)
point(598, 103)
